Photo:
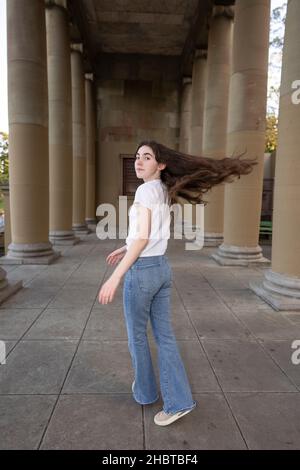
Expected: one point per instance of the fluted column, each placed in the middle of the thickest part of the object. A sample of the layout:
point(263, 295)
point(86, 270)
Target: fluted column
point(246, 132)
point(185, 115)
point(281, 284)
point(28, 134)
point(90, 115)
point(215, 113)
point(79, 150)
point(60, 123)
point(199, 77)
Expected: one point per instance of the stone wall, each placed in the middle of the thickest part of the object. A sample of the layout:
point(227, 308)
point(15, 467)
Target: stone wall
point(129, 111)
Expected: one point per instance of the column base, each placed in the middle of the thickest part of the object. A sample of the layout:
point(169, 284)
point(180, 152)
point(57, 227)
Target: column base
point(213, 239)
point(31, 253)
point(231, 255)
point(278, 290)
point(80, 229)
point(91, 223)
point(190, 233)
point(60, 237)
point(6, 289)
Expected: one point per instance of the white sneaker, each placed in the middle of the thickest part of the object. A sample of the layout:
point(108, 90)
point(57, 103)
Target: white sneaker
point(163, 419)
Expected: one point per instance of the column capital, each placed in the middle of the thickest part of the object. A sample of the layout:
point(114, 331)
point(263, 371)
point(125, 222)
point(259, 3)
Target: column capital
point(186, 80)
point(77, 47)
point(223, 10)
point(200, 53)
point(56, 3)
point(89, 76)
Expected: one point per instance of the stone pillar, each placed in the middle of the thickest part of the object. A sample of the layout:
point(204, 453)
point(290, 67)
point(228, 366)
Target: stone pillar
point(199, 78)
point(185, 140)
point(79, 155)
point(185, 115)
point(215, 114)
point(60, 123)
point(90, 116)
point(246, 132)
point(28, 134)
point(281, 284)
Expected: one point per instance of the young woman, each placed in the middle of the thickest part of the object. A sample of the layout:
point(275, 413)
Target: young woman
point(167, 174)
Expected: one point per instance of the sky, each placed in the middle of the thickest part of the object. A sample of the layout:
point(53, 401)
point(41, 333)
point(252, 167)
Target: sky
point(273, 76)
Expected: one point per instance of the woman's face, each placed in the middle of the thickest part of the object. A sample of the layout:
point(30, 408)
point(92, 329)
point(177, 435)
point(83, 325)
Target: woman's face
point(146, 166)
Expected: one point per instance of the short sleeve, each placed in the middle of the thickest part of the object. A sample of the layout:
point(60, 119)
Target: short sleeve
point(144, 196)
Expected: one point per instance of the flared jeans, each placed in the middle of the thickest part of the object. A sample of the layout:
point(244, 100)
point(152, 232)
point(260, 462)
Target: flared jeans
point(146, 295)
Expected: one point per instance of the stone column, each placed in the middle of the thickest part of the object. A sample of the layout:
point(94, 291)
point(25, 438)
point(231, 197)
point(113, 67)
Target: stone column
point(185, 115)
point(185, 141)
point(281, 284)
point(199, 78)
point(90, 116)
point(215, 114)
point(78, 127)
point(60, 123)
point(246, 132)
point(28, 134)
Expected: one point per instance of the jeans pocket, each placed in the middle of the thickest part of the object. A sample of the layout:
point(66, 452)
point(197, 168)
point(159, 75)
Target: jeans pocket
point(148, 277)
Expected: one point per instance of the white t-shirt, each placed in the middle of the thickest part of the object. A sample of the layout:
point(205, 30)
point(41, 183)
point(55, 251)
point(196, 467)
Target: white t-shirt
point(152, 194)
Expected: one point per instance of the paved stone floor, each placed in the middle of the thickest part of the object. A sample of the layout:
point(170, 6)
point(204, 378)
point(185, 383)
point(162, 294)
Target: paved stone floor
point(67, 380)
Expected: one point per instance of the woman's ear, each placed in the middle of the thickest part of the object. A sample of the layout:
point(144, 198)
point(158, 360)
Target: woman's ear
point(162, 166)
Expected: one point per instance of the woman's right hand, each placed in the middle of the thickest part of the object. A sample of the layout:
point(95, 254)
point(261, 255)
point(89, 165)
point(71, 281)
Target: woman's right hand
point(115, 256)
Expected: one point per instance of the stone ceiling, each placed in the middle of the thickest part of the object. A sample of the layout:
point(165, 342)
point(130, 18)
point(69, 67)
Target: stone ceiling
point(145, 27)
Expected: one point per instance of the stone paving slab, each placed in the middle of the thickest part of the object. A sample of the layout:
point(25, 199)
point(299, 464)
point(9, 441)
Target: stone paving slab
point(268, 420)
point(23, 420)
point(210, 425)
point(243, 365)
point(15, 322)
point(106, 421)
point(59, 324)
point(67, 379)
point(281, 352)
point(36, 367)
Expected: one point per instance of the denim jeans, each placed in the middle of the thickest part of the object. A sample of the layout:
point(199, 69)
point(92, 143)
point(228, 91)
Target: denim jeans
point(146, 295)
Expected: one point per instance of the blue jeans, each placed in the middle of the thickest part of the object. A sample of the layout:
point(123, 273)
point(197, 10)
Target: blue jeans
point(146, 295)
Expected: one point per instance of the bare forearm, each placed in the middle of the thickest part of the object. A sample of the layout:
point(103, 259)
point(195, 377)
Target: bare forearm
point(132, 254)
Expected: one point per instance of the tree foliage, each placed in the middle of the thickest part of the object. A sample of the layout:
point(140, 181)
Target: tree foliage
point(3, 157)
point(271, 133)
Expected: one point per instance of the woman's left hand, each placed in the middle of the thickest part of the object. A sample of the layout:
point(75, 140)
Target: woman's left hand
point(108, 290)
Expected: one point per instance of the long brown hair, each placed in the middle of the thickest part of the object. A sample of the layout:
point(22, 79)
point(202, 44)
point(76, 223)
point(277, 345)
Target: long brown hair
point(190, 176)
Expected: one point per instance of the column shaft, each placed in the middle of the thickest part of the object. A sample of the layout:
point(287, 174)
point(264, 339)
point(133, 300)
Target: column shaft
point(281, 284)
point(79, 150)
point(185, 115)
point(199, 77)
point(28, 134)
point(90, 114)
point(246, 132)
point(215, 113)
point(60, 126)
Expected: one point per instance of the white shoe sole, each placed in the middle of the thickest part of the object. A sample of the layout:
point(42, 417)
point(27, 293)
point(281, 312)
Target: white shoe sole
point(172, 418)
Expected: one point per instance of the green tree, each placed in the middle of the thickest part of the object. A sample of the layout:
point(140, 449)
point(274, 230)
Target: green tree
point(278, 17)
point(271, 133)
point(3, 157)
